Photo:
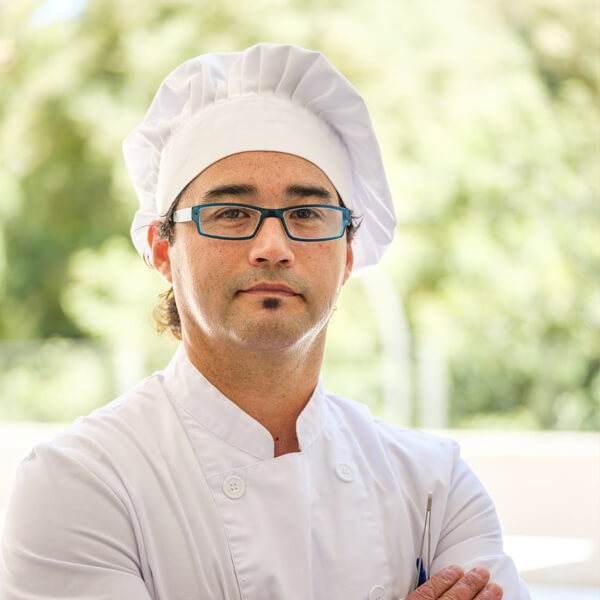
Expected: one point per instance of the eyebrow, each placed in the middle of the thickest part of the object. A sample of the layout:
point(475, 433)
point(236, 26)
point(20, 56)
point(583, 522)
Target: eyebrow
point(306, 191)
point(292, 191)
point(230, 190)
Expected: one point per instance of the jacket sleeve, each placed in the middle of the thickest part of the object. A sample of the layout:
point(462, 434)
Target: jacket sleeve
point(471, 536)
point(67, 534)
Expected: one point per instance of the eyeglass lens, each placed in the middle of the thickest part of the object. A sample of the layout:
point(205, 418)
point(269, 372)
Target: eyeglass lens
point(303, 222)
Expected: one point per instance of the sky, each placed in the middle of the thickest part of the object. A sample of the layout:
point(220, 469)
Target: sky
point(51, 11)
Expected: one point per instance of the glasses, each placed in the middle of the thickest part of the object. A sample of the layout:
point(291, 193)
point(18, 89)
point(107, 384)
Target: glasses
point(304, 223)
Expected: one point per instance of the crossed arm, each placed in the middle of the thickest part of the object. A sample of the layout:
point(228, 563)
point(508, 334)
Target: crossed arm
point(110, 568)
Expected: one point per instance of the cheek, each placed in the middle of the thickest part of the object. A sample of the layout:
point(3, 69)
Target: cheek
point(337, 264)
point(327, 269)
point(187, 267)
point(199, 266)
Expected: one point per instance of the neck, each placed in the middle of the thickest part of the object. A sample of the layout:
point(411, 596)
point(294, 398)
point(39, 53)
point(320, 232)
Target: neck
point(272, 387)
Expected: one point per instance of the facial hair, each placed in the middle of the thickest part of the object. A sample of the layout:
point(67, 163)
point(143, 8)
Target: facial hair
point(271, 303)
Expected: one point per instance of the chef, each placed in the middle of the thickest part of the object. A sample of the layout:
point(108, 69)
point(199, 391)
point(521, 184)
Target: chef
point(233, 474)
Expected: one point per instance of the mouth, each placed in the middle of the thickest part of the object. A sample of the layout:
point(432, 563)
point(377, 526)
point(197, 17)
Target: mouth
point(277, 290)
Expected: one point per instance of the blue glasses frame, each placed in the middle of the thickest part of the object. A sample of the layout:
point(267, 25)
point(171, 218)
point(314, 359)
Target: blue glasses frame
point(192, 213)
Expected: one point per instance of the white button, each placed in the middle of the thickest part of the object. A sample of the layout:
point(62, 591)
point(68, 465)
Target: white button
point(234, 487)
point(377, 593)
point(344, 472)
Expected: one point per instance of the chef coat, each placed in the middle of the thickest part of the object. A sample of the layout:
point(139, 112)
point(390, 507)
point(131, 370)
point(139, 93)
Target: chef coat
point(172, 492)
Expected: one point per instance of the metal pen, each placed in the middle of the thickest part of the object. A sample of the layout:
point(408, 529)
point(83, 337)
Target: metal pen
point(421, 576)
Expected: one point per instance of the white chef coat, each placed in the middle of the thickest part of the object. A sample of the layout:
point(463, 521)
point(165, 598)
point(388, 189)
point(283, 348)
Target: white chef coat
point(172, 492)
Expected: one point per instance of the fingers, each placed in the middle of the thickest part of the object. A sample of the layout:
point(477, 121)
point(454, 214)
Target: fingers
point(452, 584)
point(434, 587)
point(491, 592)
point(472, 586)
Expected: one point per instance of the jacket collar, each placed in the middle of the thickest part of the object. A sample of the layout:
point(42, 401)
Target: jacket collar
point(188, 388)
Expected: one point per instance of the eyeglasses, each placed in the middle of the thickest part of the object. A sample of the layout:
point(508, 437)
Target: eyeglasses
point(304, 223)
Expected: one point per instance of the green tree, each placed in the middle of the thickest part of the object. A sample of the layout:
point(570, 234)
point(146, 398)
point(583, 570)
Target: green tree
point(489, 122)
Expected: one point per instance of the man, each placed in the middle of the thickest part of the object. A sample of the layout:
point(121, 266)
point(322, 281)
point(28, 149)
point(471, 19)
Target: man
point(233, 473)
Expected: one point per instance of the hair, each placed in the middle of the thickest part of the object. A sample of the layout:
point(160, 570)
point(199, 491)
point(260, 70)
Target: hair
point(166, 313)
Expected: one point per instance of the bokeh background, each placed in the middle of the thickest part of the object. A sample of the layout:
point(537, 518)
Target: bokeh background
point(485, 313)
point(488, 116)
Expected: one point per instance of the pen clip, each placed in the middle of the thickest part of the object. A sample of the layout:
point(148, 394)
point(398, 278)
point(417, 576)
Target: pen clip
point(421, 577)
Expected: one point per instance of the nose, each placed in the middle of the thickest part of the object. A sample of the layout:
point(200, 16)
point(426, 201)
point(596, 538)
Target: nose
point(271, 245)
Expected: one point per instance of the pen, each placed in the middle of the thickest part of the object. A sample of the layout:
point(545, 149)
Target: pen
point(422, 572)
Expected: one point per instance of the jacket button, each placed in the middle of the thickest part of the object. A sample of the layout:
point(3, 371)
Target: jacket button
point(234, 487)
point(344, 472)
point(377, 593)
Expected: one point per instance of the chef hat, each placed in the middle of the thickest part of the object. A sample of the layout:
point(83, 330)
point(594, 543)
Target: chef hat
point(274, 97)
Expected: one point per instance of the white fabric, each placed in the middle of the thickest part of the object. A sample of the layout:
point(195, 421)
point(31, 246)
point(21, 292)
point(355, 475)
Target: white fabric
point(245, 124)
point(274, 97)
point(172, 492)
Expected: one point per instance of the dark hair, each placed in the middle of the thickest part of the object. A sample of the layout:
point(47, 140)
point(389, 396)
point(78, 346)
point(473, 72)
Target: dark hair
point(166, 313)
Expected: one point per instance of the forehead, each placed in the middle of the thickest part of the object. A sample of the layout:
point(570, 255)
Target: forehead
point(268, 171)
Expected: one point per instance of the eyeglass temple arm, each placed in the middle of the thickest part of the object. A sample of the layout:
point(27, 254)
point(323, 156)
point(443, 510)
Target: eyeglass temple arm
point(182, 215)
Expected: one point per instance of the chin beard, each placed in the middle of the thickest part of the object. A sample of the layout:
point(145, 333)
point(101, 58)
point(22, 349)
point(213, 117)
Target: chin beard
point(271, 303)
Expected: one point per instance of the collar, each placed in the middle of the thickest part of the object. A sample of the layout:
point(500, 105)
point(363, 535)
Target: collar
point(188, 388)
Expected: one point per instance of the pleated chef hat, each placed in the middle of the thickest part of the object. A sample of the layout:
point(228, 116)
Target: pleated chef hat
point(275, 97)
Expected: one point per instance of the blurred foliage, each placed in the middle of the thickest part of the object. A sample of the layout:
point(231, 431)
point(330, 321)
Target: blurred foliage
point(488, 115)
point(53, 381)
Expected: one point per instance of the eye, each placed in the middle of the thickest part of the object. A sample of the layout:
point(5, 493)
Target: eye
point(232, 214)
point(304, 214)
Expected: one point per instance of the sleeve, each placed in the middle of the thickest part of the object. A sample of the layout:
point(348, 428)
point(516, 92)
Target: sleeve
point(67, 534)
point(471, 535)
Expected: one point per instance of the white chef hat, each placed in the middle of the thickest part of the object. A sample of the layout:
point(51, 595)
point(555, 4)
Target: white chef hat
point(274, 97)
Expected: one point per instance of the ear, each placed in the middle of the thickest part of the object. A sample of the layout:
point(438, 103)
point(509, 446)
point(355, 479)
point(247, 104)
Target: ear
point(349, 262)
point(159, 251)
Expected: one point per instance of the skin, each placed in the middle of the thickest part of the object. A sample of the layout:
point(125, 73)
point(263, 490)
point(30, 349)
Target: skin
point(453, 584)
point(263, 348)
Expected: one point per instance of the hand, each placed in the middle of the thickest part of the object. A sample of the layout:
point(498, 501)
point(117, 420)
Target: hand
point(453, 584)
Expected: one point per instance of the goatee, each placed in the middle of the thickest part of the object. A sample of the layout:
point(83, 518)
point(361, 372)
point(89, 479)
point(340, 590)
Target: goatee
point(271, 303)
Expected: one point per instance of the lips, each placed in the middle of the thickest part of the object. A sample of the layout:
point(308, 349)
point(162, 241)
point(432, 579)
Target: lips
point(271, 289)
